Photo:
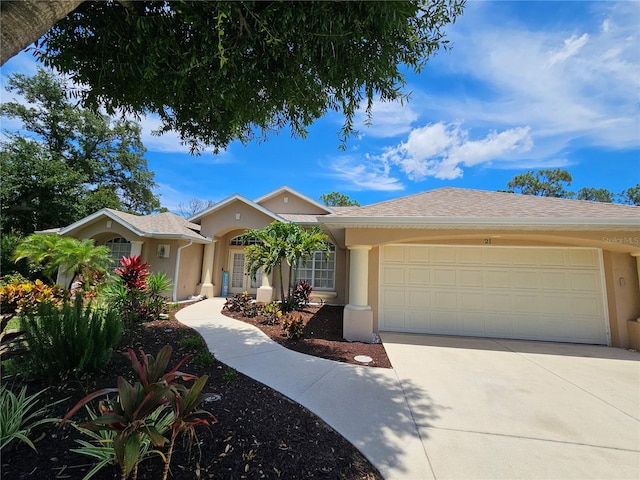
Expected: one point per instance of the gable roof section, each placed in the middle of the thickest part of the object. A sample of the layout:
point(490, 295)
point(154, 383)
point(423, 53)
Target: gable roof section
point(291, 191)
point(161, 225)
point(461, 206)
point(227, 201)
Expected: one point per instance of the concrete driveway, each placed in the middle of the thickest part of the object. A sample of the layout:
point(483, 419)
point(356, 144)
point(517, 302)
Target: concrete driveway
point(514, 409)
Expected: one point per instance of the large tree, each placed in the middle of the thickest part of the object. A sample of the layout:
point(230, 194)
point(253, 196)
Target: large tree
point(221, 71)
point(337, 199)
point(67, 162)
point(543, 183)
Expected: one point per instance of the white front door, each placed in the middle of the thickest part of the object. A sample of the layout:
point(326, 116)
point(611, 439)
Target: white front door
point(239, 280)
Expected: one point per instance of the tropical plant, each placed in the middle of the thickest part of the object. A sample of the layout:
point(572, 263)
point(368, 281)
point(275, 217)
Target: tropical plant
point(19, 294)
point(102, 446)
point(80, 259)
point(292, 325)
point(282, 242)
point(302, 293)
point(240, 302)
point(132, 415)
point(158, 285)
point(19, 415)
point(271, 312)
point(133, 273)
point(72, 338)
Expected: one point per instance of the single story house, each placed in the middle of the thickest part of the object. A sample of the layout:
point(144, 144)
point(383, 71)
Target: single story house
point(446, 261)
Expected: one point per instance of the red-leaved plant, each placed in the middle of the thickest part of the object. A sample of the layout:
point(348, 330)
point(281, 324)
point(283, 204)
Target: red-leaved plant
point(130, 415)
point(133, 272)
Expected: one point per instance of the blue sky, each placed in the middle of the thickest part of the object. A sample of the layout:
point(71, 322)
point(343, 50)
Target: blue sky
point(527, 85)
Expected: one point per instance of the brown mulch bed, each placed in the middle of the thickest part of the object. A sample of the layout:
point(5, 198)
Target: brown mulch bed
point(322, 336)
point(259, 433)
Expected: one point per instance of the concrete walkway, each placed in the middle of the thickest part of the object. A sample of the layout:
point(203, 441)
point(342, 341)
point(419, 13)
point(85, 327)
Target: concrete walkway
point(457, 408)
point(365, 405)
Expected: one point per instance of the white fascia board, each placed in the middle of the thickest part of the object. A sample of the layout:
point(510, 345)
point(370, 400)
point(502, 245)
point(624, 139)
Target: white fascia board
point(173, 236)
point(94, 216)
point(412, 222)
point(229, 200)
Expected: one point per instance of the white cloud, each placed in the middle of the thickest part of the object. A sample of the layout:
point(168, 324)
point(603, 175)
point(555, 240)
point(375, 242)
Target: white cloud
point(441, 150)
point(368, 173)
point(573, 84)
point(570, 48)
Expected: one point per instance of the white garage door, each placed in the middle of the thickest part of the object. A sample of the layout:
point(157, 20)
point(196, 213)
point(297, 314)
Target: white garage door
point(553, 294)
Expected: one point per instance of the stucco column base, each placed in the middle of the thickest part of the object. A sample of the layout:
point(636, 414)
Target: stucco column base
point(206, 290)
point(264, 294)
point(357, 324)
point(633, 327)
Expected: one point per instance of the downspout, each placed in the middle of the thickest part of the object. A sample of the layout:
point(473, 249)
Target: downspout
point(176, 273)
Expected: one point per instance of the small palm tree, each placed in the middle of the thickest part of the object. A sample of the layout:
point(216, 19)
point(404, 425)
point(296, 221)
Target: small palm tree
point(74, 257)
point(282, 242)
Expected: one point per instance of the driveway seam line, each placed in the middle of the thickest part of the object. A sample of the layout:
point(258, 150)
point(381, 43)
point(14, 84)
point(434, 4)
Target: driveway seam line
point(302, 392)
point(567, 381)
point(415, 424)
point(476, 432)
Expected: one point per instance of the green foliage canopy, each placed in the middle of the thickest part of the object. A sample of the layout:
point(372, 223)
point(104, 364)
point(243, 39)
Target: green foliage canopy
point(67, 161)
point(553, 183)
point(337, 199)
point(226, 70)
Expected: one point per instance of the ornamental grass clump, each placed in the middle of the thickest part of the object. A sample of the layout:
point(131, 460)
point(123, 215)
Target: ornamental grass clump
point(19, 415)
point(75, 337)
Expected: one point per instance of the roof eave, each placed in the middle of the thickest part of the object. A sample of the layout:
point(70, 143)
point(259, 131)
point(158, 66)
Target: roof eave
point(560, 223)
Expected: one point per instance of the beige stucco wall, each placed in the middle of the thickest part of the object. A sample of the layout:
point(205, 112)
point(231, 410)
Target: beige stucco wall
point(623, 294)
point(294, 204)
point(222, 221)
point(190, 270)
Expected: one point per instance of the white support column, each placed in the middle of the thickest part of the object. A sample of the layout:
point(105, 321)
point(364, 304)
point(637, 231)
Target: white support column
point(136, 248)
point(265, 291)
point(358, 316)
point(206, 278)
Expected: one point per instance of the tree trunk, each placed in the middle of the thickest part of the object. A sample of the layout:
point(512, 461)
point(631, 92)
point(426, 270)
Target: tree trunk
point(25, 21)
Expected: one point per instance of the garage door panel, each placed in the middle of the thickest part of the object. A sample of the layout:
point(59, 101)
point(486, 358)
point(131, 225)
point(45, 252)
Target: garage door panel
point(584, 281)
point(417, 299)
point(394, 297)
point(554, 281)
point(418, 276)
point(419, 255)
point(444, 277)
point(393, 254)
point(509, 292)
point(472, 323)
point(498, 302)
point(393, 275)
point(471, 278)
point(525, 279)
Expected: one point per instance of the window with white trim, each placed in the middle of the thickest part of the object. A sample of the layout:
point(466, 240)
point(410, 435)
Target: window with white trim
point(319, 270)
point(118, 247)
point(238, 241)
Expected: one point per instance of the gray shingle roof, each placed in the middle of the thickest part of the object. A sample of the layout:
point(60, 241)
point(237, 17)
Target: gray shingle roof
point(461, 202)
point(161, 224)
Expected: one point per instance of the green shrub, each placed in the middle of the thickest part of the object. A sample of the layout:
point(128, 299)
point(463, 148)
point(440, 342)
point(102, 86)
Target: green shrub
point(242, 302)
point(204, 359)
point(74, 337)
point(19, 414)
point(193, 342)
point(158, 286)
point(229, 376)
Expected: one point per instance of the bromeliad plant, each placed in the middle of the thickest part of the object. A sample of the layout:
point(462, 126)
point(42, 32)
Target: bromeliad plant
point(133, 415)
